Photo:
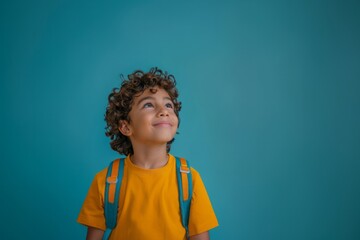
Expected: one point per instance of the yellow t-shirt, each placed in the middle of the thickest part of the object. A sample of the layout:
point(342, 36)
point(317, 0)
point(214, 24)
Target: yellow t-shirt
point(149, 204)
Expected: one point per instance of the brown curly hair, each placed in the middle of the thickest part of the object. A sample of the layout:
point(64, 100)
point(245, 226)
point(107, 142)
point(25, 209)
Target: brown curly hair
point(121, 100)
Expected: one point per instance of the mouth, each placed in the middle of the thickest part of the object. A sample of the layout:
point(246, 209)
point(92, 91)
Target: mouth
point(162, 124)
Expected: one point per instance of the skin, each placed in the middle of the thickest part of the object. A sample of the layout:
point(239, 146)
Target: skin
point(94, 234)
point(152, 124)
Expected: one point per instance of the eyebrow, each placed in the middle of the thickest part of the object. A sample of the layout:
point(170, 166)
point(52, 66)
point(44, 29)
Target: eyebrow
point(151, 98)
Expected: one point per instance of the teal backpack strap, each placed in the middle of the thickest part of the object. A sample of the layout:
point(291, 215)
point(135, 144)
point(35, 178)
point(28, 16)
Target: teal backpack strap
point(184, 179)
point(114, 177)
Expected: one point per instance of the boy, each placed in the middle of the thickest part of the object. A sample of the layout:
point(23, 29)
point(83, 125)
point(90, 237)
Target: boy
point(142, 119)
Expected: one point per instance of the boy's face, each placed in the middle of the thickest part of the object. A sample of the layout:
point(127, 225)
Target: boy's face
point(152, 119)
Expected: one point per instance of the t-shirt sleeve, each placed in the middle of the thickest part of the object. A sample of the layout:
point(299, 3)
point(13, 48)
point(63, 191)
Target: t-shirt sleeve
point(202, 217)
point(92, 211)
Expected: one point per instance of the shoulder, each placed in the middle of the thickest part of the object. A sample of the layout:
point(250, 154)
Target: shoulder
point(194, 173)
point(101, 174)
point(99, 181)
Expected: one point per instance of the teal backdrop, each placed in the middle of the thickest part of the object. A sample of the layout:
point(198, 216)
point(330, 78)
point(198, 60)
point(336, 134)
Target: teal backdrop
point(271, 109)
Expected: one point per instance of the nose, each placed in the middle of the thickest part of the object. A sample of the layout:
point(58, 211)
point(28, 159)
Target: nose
point(163, 112)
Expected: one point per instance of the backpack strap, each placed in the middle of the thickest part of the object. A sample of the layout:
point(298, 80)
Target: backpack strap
point(112, 191)
point(184, 179)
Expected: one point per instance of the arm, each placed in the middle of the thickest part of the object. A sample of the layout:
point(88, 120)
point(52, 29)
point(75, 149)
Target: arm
point(94, 234)
point(201, 236)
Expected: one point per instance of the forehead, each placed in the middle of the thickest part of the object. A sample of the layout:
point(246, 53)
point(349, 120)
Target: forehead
point(153, 92)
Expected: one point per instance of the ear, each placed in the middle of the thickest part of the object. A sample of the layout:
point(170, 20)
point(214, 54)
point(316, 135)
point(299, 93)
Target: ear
point(124, 128)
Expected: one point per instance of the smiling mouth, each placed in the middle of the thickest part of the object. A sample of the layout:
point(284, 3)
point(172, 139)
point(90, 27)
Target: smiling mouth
point(163, 124)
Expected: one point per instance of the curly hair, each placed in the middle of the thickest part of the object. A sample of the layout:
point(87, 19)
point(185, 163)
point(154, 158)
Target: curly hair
point(121, 100)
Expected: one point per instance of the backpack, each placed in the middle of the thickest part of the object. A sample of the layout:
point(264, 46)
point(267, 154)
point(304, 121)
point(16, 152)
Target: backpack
point(112, 191)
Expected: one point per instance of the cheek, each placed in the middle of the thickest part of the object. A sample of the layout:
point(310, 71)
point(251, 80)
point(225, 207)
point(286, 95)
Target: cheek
point(176, 120)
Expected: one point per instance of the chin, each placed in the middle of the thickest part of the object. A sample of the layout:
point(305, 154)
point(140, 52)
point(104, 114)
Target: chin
point(165, 140)
point(168, 140)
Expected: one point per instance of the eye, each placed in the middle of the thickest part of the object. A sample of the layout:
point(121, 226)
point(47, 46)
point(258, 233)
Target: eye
point(148, 105)
point(169, 105)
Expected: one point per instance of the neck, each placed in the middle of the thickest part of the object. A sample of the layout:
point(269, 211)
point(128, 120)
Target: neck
point(150, 157)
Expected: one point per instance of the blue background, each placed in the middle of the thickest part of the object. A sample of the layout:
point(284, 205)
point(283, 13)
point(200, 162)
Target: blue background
point(270, 118)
